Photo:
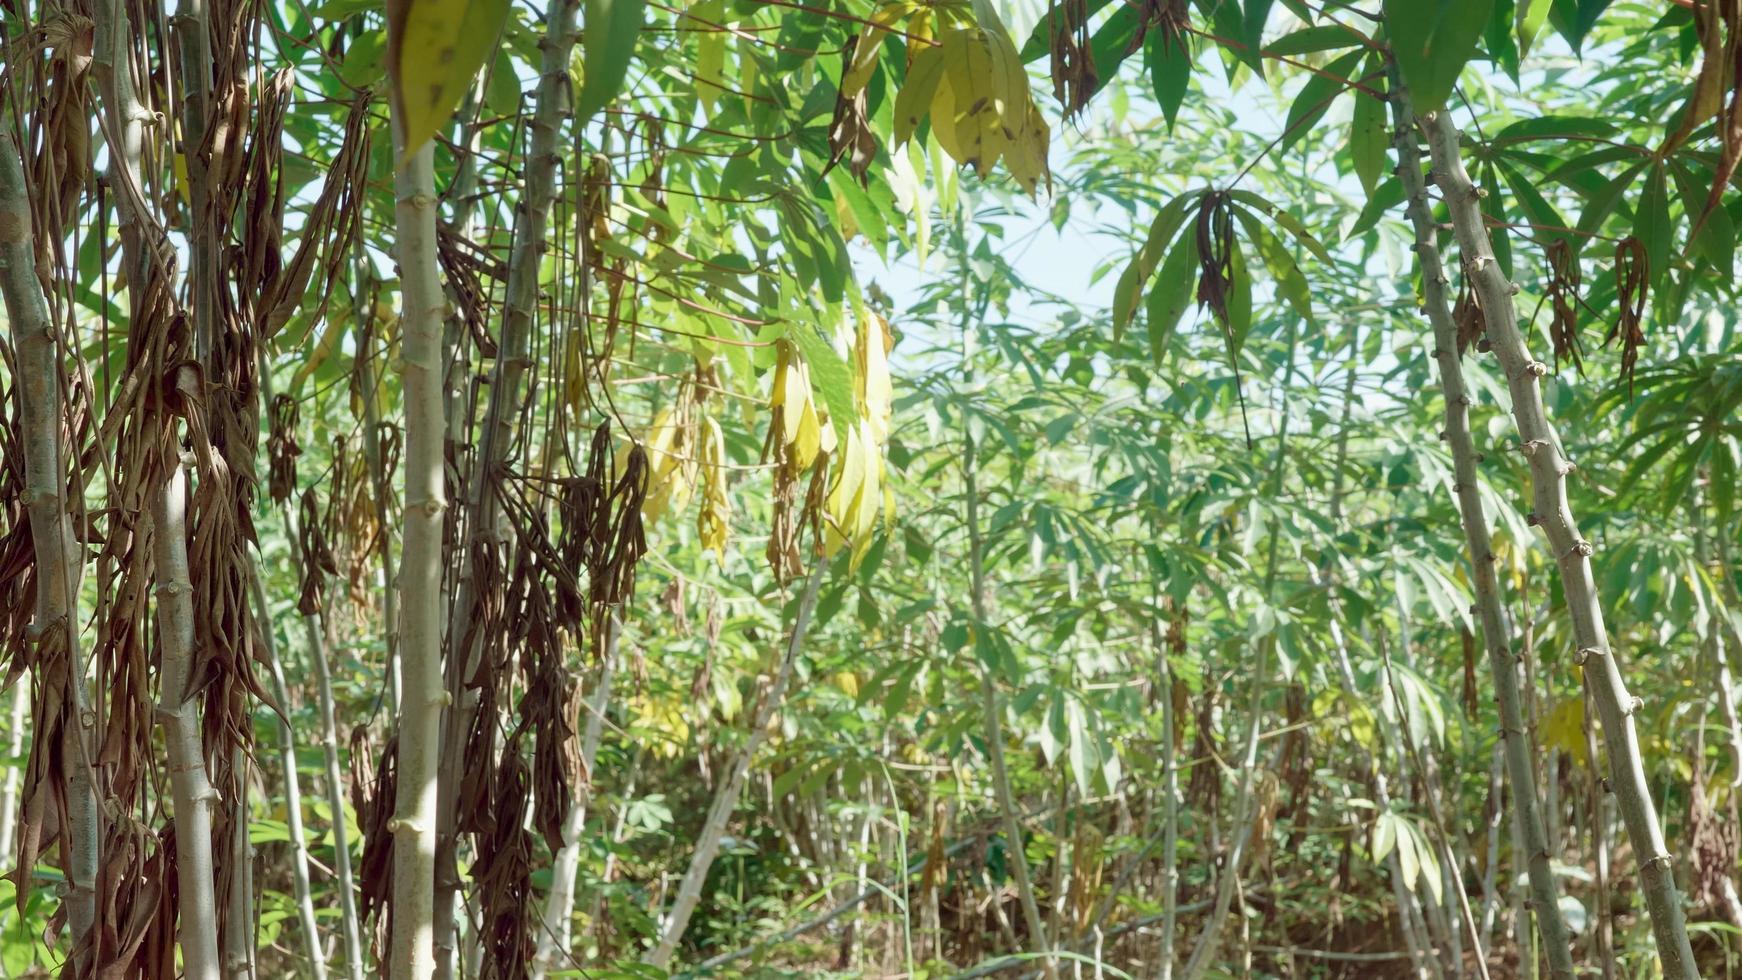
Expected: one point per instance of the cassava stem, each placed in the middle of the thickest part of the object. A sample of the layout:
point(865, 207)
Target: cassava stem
point(1490, 606)
point(411, 955)
point(1548, 470)
point(551, 108)
point(55, 552)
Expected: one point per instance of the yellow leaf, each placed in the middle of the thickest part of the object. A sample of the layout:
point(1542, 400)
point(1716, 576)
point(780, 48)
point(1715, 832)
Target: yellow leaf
point(918, 93)
point(869, 45)
point(973, 87)
point(747, 82)
point(671, 469)
point(1026, 155)
point(945, 122)
point(800, 428)
point(790, 393)
point(332, 332)
point(808, 439)
point(434, 49)
point(664, 717)
point(713, 520)
point(849, 481)
point(574, 375)
point(981, 109)
point(1564, 729)
point(182, 188)
point(710, 51)
point(876, 393)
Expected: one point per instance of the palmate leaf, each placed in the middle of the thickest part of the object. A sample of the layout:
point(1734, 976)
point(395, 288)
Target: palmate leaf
point(1111, 44)
point(1530, 15)
point(1368, 138)
point(1136, 275)
point(1499, 41)
point(607, 45)
point(1547, 225)
point(1170, 71)
point(1552, 128)
point(1715, 237)
point(1285, 221)
point(1310, 40)
point(831, 377)
point(435, 48)
point(1432, 40)
point(1239, 307)
point(1291, 284)
point(1494, 211)
point(1575, 18)
point(1600, 204)
point(1171, 295)
point(1316, 96)
point(1384, 198)
point(1255, 14)
point(1652, 226)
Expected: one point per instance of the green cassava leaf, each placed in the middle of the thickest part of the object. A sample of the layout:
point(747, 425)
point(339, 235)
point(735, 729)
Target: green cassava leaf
point(1171, 295)
point(1291, 285)
point(1368, 138)
point(1575, 18)
point(831, 378)
point(1170, 72)
point(1651, 223)
point(1311, 40)
point(608, 36)
point(1432, 40)
point(1136, 275)
point(1315, 97)
point(1530, 16)
point(1600, 205)
point(1546, 224)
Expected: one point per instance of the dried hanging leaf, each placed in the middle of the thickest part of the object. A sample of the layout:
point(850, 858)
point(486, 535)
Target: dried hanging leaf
point(1204, 788)
point(1729, 126)
point(1716, 24)
point(1170, 17)
point(850, 135)
point(504, 871)
point(1632, 283)
point(1074, 81)
point(373, 794)
point(1712, 847)
point(1467, 316)
point(794, 438)
point(282, 449)
point(315, 560)
point(1215, 235)
point(62, 162)
point(1216, 280)
point(592, 218)
point(1563, 299)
